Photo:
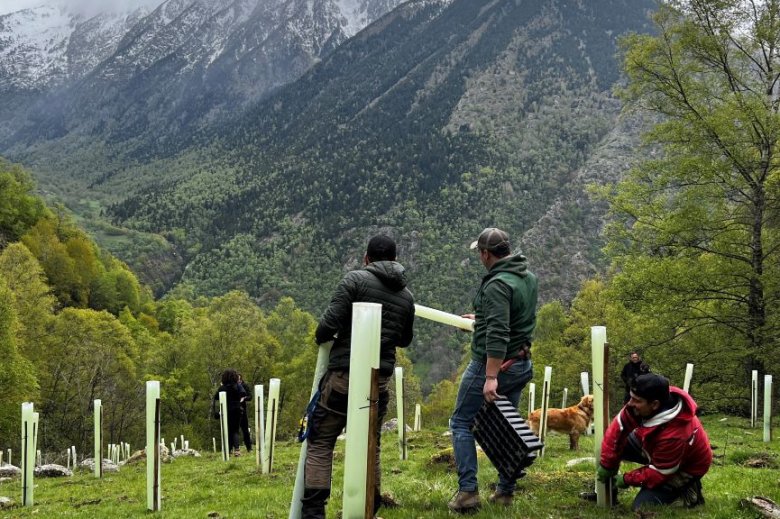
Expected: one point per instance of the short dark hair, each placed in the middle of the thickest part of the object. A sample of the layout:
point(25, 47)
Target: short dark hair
point(229, 376)
point(651, 387)
point(381, 248)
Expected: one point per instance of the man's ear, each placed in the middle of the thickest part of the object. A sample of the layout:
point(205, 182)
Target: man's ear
point(366, 261)
point(655, 405)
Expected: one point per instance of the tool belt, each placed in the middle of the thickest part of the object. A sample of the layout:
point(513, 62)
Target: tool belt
point(523, 354)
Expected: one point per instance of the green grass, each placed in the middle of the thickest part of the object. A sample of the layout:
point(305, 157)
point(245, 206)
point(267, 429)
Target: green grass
point(236, 489)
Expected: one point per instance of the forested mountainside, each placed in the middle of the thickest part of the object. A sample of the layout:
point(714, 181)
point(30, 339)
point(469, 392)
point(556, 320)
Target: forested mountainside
point(434, 121)
point(431, 124)
point(437, 120)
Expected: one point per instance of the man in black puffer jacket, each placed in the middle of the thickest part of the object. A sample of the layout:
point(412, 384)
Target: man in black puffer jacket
point(383, 281)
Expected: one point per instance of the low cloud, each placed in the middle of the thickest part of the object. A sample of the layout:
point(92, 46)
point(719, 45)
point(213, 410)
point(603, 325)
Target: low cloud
point(85, 7)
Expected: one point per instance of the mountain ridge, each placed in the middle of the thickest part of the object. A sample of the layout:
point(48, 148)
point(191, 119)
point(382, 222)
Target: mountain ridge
point(433, 105)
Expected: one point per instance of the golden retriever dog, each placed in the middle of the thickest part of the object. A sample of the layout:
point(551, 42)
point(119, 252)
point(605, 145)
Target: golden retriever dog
point(572, 420)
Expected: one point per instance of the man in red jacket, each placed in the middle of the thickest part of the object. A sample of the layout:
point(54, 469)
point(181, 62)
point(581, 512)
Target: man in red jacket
point(657, 428)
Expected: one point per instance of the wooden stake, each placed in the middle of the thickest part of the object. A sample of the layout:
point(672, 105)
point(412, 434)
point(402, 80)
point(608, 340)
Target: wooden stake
point(373, 417)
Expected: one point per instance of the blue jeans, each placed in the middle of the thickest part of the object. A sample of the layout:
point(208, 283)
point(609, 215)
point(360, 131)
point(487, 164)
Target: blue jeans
point(470, 399)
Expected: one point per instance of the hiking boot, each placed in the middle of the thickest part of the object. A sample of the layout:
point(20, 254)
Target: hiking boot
point(313, 503)
point(464, 502)
point(500, 498)
point(691, 494)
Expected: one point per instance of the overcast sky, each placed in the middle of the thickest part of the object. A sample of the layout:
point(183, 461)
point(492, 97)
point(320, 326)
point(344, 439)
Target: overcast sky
point(86, 6)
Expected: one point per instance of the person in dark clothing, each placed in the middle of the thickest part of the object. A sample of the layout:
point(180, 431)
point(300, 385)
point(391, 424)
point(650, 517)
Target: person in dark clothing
point(382, 280)
point(235, 395)
point(244, 424)
point(633, 368)
point(657, 428)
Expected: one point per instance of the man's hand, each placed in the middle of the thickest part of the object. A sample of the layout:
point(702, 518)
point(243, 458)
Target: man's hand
point(604, 474)
point(467, 316)
point(490, 390)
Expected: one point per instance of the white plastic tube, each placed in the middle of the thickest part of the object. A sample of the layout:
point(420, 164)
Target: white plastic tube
point(271, 419)
point(98, 437)
point(443, 317)
point(598, 339)
point(545, 405)
point(417, 417)
point(399, 401)
point(688, 377)
point(323, 354)
point(364, 355)
point(565, 397)
point(767, 408)
point(223, 425)
point(753, 398)
point(153, 498)
point(531, 398)
point(27, 454)
point(585, 383)
point(259, 426)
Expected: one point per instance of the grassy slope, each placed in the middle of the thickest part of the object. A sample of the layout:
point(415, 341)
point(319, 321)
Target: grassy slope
point(199, 487)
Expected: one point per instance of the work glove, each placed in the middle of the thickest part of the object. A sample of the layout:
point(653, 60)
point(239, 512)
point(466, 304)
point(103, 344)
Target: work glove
point(620, 481)
point(604, 474)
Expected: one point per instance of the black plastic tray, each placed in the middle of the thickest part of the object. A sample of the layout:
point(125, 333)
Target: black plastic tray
point(506, 438)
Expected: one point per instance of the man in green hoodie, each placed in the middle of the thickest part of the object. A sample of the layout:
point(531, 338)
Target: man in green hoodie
point(504, 321)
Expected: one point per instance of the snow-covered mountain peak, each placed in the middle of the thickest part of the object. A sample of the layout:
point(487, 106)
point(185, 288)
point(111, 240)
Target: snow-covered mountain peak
point(44, 46)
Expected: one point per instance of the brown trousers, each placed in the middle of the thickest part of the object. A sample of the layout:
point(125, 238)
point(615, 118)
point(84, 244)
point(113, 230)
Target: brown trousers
point(327, 423)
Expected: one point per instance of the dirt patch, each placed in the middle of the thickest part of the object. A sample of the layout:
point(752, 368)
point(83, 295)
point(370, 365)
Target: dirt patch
point(761, 461)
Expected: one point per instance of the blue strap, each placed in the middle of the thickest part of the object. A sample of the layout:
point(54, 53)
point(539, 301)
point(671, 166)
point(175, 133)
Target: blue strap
point(307, 423)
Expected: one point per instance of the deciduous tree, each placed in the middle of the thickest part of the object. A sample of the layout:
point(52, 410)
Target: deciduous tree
point(695, 237)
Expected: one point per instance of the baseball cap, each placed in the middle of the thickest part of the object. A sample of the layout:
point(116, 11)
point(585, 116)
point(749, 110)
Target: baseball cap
point(492, 239)
point(651, 387)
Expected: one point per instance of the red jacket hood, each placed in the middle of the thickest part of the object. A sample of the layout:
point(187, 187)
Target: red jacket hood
point(685, 408)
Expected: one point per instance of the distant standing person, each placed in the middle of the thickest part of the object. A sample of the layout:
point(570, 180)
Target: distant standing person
point(244, 423)
point(382, 280)
point(235, 394)
point(504, 321)
point(658, 429)
point(633, 368)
